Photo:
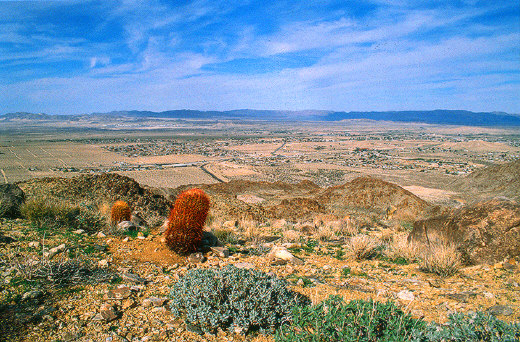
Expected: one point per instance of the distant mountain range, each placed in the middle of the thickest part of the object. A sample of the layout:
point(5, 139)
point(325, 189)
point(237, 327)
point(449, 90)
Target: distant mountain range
point(441, 117)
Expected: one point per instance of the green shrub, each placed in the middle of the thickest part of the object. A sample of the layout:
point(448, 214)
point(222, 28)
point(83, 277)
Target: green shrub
point(358, 320)
point(233, 299)
point(476, 327)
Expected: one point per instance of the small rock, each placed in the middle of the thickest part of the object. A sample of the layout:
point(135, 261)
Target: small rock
point(160, 309)
point(300, 282)
point(461, 297)
point(69, 336)
point(100, 235)
point(103, 263)
point(141, 236)
point(246, 265)
point(405, 295)
point(326, 267)
point(239, 330)
point(500, 310)
point(296, 261)
point(108, 312)
point(280, 253)
point(126, 239)
point(154, 301)
point(34, 244)
point(221, 252)
point(488, 295)
point(196, 258)
point(138, 221)
point(230, 224)
point(34, 294)
point(125, 227)
point(56, 250)
point(133, 278)
point(128, 304)
point(79, 231)
point(119, 293)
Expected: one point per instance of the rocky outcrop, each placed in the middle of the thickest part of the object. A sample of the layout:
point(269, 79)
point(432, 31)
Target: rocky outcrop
point(11, 198)
point(296, 209)
point(375, 195)
point(101, 188)
point(492, 181)
point(485, 232)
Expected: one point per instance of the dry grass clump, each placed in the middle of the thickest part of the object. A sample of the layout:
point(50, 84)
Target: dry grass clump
point(334, 229)
point(441, 258)
point(225, 235)
point(250, 229)
point(50, 213)
point(362, 247)
point(400, 248)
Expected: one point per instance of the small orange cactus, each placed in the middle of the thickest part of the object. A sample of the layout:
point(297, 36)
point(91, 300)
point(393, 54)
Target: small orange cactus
point(120, 212)
point(186, 221)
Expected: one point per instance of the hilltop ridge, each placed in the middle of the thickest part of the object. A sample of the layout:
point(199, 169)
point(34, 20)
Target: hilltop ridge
point(438, 116)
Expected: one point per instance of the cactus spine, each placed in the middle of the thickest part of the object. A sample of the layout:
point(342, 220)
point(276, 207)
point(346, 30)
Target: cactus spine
point(186, 221)
point(120, 212)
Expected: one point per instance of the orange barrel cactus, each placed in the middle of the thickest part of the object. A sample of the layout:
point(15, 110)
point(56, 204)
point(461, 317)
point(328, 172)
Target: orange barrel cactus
point(120, 212)
point(186, 221)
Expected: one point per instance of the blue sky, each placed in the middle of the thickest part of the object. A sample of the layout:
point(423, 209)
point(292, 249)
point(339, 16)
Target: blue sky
point(69, 57)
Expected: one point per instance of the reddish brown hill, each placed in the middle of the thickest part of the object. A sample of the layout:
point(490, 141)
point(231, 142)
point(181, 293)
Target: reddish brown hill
point(374, 195)
point(237, 187)
point(485, 232)
point(296, 209)
point(492, 181)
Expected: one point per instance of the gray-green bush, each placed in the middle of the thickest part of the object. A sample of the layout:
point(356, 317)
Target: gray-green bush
point(239, 300)
point(358, 320)
point(480, 327)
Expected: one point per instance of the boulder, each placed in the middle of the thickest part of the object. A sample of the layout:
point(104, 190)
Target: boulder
point(484, 232)
point(125, 227)
point(11, 199)
point(138, 221)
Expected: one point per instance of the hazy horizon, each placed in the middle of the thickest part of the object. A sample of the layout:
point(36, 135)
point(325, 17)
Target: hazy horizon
point(72, 57)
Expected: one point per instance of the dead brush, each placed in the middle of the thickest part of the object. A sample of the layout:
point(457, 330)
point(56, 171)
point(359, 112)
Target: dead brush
point(441, 258)
point(336, 229)
point(58, 273)
point(55, 273)
point(362, 247)
point(250, 229)
point(400, 248)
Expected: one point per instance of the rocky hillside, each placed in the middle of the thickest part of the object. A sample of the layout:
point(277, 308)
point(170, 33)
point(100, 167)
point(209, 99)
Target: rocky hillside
point(485, 232)
point(99, 190)
point(79, 285)
point(492, 181)
point(375, 195)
